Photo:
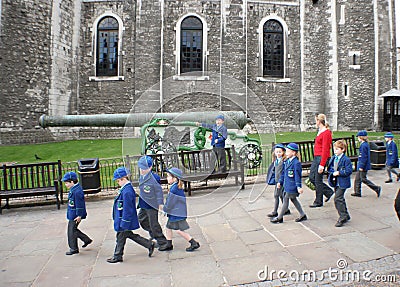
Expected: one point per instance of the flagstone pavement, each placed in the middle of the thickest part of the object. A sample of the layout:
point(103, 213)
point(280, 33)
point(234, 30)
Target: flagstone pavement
point(239, 246)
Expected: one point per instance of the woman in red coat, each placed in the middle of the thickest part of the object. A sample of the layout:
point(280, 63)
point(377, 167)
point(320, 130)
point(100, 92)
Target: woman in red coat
point(322, 152)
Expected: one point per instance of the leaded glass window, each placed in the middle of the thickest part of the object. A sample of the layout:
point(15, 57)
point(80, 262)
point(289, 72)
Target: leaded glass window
point(273, 49)
point(107, 47)
point(191, 45)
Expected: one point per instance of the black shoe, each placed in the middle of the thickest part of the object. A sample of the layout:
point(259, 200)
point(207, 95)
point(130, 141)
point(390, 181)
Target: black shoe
point(303, 218)
point(87, 243)
point(378, 193)
point(388, 181)
point(287, 212)
point(328, 197)
point(348, 217)
point(272, 214)
point(114, 260)
point(277, 220)
point(72, 252)
point(151, 248)
point(314, 205)
point(167, 247)
point(356, 194)
point(193, 245)
point(340, 223)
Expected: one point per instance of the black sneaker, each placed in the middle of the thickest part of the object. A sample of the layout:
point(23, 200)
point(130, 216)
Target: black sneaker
point(272, 214)
point(388, 181)
point(114, 260)
point(72, 252)
point(87, 243)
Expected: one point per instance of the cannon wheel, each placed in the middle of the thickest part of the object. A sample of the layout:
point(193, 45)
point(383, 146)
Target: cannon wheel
point(251, 155)
point(160, 146)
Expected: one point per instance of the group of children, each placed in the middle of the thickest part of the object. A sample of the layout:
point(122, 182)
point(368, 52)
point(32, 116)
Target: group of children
point(151, 202)
point(285, 173)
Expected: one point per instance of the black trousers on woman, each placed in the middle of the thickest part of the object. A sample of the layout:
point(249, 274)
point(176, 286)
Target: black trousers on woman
point(316, 178)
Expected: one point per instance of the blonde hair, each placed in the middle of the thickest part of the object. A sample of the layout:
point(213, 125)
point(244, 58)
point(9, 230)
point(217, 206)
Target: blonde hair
point(180, 182)
point(322, 119)
point(340, 144)
point(274, 156)
point(363, 138)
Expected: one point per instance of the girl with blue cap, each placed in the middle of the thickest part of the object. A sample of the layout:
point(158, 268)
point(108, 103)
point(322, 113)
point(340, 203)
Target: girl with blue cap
point(273, 176)
point(176, 209)
point(291, 182)
point(392, 158)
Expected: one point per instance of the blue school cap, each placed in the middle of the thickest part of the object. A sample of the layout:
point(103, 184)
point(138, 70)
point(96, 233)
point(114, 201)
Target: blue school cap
point(280, 146)
point(145, 162)
point(293, 146)
point(389, 135)
point(70, 176)
point(362, 133)
point(120, 172)
point(175, 172)
point(221, 117)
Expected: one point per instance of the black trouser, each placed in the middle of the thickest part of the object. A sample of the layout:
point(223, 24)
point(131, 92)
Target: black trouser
point(278, 195)
point(361, 177)
point(397, 204)
point(316, 178)
point(148, 219)
point(390, 170)
point(285, 206)
point(73, 234)
point(340, 203)
point(121, 240)
point(220, 158)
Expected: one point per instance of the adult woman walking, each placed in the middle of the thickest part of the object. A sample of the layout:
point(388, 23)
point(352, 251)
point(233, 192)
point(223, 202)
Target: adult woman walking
point(322, 152)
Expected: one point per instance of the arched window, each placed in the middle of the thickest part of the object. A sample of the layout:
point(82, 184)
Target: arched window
point(273, 49)
point(191, 51)
point(107, 47)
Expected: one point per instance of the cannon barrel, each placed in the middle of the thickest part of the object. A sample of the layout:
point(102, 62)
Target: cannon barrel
point(233, 119)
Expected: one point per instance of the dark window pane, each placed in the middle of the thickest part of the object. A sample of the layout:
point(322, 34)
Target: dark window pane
point(191, 45)
point(273, 49)
point(107, 47)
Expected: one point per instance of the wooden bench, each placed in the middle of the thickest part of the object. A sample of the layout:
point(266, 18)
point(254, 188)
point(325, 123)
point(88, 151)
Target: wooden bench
point(306, 150)
point(28, 180)
point(196, 166)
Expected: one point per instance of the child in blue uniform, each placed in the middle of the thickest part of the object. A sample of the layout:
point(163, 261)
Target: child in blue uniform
point(274, 174)
point(340, 169)
point(363, 165)
point(76, 211)
point(125, 217)
point(150, 201)
point(392, 158)
point(176, 210)
point(219, 135)
point(291, 182)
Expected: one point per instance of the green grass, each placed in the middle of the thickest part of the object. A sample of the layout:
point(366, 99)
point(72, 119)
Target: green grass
point(65, 151)
point(73, 150)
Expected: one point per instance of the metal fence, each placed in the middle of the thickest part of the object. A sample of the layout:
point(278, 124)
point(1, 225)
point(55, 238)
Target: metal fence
point(108, 165)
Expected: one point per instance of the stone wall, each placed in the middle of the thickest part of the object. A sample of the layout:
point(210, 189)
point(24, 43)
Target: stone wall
point(47, 59)
point(24, 63)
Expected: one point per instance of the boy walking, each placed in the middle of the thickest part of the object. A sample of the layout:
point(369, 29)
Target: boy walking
point(363, 165)
point(150, 201)
point(392, 158)
point(76, 211)
point(340, 169)
point(125, 217)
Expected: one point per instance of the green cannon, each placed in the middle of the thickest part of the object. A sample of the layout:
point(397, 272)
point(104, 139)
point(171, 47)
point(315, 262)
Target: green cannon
point(166, 132)
point(165, 136)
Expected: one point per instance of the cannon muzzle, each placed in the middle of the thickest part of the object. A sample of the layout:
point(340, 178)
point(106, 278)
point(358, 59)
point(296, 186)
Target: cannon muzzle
point(233, 119)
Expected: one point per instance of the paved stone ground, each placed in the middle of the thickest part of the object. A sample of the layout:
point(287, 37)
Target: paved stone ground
point(238, 244)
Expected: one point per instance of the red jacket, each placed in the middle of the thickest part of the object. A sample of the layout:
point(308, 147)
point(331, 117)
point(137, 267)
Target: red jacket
point(322, 146)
